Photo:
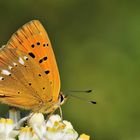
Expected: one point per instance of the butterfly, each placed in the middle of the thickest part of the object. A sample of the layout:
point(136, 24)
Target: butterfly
point(29, 76)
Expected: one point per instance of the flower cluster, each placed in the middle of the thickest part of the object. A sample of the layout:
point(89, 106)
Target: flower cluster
point(39, 129)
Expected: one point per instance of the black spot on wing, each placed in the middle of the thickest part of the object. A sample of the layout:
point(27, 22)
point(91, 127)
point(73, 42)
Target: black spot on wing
point(38, 43)
point(30, 84)
point(31, 54)
point(2, 78)
point(47, 71)
point(41, 60)
point(26, 58)
point(32, 45)
point(45, 58)
point(44, 45)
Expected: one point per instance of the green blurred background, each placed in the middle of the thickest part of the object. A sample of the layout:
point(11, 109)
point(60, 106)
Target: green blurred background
point(97, 46)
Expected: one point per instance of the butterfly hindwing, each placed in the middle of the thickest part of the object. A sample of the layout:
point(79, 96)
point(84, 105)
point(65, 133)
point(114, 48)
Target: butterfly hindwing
point(23, 83)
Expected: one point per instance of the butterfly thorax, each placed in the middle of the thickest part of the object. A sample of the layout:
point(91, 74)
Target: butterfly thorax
point(51, 106)
point(48, 107)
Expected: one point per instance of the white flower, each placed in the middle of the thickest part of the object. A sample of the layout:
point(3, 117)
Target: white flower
point(38, 128)
point(54, 129)
point(61, 130)
point(38, 124)
point(6, 129)
point(26, 133)
point(52, 120)
point(83, 137)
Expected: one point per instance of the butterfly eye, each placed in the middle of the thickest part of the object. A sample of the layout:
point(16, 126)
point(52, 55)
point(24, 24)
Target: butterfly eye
point(62, 98)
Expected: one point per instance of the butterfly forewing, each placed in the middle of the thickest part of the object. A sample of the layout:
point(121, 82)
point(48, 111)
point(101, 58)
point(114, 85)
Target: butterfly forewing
point(33, 40)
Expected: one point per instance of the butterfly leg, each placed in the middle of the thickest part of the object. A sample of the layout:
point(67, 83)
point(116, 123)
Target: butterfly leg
point(21, 121)
point(48, 116)
point(18, 124)
point(61, 114)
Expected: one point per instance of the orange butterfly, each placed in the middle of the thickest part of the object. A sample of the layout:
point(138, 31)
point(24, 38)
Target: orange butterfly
point(29, 76)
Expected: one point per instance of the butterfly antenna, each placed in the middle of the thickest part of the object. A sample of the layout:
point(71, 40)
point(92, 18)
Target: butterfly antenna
point(79, 91)
point(92, 102)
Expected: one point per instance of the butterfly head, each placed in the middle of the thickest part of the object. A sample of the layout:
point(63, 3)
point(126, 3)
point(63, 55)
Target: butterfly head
point(52, 106)
point(62, 98)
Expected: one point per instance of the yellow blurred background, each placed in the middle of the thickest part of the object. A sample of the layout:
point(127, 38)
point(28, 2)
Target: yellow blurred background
point(97, 46)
